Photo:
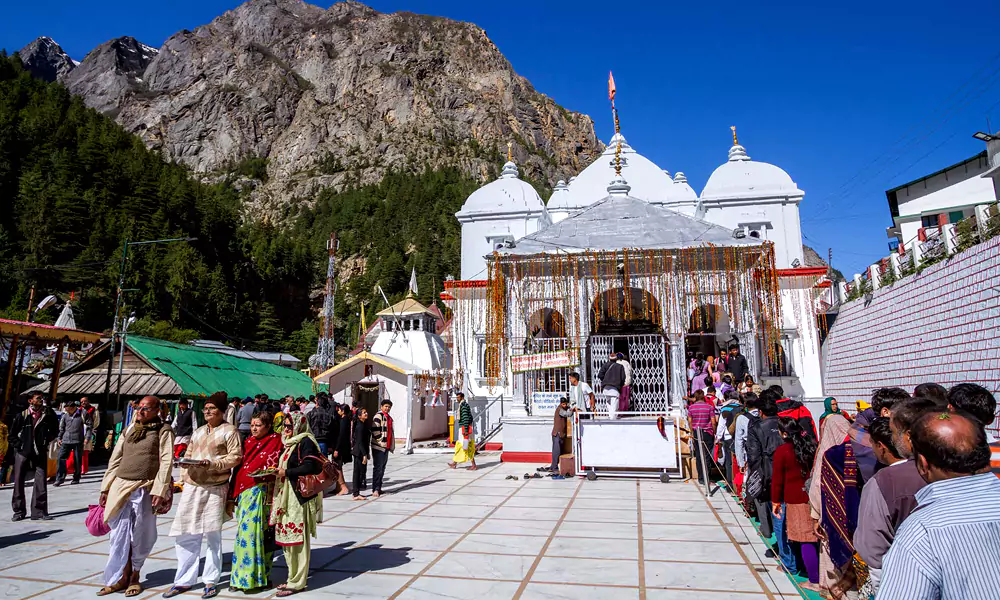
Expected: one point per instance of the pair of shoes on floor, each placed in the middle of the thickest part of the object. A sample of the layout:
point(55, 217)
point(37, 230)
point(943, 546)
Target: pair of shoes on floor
point(514, 477)
point(558, 477)
point(543, 469)
point(532, 476)
point(44, 517)
point(17, 518)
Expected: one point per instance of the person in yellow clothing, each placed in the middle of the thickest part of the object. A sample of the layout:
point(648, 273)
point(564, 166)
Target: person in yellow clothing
point(465, 446)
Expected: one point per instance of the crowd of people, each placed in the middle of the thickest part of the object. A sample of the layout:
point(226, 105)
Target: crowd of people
point(897, 502)
point(254, 460)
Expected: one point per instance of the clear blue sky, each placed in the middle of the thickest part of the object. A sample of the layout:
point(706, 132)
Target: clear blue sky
point(849, 98)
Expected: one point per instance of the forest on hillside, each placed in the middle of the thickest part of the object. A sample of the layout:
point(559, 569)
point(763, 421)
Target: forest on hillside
point(74, 185)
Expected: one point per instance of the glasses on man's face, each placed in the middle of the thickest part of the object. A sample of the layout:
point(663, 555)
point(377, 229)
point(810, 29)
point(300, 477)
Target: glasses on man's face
point(143, 409)
point(210, 409)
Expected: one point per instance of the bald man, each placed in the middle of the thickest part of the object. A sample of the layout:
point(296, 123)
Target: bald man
point(947, 548)
point(135, 488)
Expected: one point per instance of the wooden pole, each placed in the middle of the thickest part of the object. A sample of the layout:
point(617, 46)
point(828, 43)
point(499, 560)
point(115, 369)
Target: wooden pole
point(55, 373)
point(11, 360)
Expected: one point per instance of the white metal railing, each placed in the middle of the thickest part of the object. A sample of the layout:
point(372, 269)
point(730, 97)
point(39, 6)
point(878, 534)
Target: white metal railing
point(930, 244)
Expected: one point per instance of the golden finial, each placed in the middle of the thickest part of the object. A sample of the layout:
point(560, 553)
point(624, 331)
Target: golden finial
point(735, 141)
point(510, 155)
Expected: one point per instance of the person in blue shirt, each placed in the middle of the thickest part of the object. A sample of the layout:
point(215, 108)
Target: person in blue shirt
point(947, 548)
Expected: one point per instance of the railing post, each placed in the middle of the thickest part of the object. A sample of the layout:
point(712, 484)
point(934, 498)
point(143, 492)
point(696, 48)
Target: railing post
point(873, 275)
point(918, 254)
point(842, 288)
point(982, 219)
point(894, 265)
point(948, 233)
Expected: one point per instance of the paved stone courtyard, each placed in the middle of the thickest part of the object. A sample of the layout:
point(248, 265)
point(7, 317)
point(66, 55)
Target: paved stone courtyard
point(442, 533)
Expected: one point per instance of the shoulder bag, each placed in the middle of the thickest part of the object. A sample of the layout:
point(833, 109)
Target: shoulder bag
point(311, 485)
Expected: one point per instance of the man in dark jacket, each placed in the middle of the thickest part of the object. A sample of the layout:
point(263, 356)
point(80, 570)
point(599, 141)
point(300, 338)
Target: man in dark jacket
point(612, 376)
point(323, 422)
point(184, 425)
point(736, 364)
point(763, 439)
point(361, 450)
point(31, 433)
point(71, 435)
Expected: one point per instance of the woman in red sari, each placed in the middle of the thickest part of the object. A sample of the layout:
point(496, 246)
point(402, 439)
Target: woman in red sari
point(251, 560)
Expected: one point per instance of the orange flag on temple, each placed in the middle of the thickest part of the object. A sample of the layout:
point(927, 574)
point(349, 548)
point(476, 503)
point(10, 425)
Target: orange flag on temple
point(611, 87)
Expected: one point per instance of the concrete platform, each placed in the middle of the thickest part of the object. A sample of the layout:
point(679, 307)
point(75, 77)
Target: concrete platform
point(443, 533)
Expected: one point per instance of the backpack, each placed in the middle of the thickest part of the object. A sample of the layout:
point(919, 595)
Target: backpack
point(730, 416)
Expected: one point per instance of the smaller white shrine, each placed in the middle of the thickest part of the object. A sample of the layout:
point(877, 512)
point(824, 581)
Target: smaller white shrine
point(409, 364)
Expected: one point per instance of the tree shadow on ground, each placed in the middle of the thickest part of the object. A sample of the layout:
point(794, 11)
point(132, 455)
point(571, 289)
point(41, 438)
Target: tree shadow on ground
point(23, 538)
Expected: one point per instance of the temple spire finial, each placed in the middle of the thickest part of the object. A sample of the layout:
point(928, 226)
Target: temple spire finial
point(736, 142)
point(510, 153)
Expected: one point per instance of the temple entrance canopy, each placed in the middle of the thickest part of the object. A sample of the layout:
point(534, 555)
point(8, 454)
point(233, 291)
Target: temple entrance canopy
point(627, 276)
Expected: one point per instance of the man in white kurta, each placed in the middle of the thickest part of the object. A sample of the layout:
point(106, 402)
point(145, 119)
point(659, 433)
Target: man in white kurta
point(135, 487)
point(216, 448)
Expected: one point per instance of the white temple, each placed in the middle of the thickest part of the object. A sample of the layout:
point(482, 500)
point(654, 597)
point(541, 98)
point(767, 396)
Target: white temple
point(752, 200)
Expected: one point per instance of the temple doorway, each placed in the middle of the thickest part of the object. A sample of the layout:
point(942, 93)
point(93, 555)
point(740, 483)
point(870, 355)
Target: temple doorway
point(709, 332)
point(628, 320)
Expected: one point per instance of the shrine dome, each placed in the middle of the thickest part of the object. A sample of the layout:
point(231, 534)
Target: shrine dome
point(648, 181)
point(740, 177)
point(505, 195)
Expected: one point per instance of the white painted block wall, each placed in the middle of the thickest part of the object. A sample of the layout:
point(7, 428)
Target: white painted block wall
point(942, 325)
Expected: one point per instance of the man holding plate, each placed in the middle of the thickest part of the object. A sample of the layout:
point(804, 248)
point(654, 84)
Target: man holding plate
point(214, 451)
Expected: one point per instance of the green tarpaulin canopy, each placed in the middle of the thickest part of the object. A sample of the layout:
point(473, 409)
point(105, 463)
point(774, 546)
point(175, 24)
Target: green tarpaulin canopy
point(200, 371)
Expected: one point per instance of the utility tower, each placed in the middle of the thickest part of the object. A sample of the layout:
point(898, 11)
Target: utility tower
point(324, 350)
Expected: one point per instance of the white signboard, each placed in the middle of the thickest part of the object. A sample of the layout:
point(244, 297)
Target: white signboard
point(544, 360)
point(628, 443)
point(543, 404)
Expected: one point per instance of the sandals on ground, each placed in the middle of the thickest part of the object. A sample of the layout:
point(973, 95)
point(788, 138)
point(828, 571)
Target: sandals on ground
point(285, 592)
point(110, 589)
point(175, 590)
point(133, 590)
point(211, 591)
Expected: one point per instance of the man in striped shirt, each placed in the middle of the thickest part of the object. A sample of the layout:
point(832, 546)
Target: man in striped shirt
point(702, 419)
point(980, 403)
point(946, 548)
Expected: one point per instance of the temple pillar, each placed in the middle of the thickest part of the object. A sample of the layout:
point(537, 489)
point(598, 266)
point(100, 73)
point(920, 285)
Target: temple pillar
point(678, 370)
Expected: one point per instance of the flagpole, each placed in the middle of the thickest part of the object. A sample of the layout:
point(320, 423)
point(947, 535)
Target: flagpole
point(612, 91)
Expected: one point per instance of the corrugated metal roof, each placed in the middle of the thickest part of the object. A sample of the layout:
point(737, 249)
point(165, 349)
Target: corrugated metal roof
point(619, 222)
point(201, 371)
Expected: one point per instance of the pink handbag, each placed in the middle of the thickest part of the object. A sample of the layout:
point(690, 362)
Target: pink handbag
point(95, 521)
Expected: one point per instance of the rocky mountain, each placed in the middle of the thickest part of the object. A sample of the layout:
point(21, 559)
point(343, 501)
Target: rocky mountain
point(45, 59)
point(110, 73)
point(332, 97)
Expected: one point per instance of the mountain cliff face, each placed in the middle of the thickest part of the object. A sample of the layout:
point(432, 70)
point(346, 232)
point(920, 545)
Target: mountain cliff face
point(46, 60)
point(332, 98)
point(110, 73)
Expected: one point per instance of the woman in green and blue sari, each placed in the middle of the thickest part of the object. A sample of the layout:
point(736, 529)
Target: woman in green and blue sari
point(252, 493)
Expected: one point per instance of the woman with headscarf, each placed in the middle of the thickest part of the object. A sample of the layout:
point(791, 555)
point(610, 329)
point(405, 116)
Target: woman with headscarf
point(830, 407)
point(293, 516)
point(833, 498)
point(252, 494)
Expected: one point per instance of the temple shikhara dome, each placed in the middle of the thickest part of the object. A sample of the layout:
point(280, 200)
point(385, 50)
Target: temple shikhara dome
point(740, 177)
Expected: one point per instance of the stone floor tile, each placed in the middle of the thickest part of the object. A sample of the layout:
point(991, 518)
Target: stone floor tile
point(728, 578)
point(448, 524)
point(435, 588)
point(562, 591)
point(690, 552)
point(587, 571)
point(506, 526)
point(483, 566)
point(594, 548)
point(502, 544)
point(599, 530)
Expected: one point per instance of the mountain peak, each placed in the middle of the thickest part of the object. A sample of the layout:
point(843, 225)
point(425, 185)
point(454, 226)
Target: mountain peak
point(46, 59)
point(110, 72)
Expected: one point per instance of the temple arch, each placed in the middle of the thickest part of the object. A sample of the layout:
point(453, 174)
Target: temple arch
point(625, 310)
point(709, 330)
